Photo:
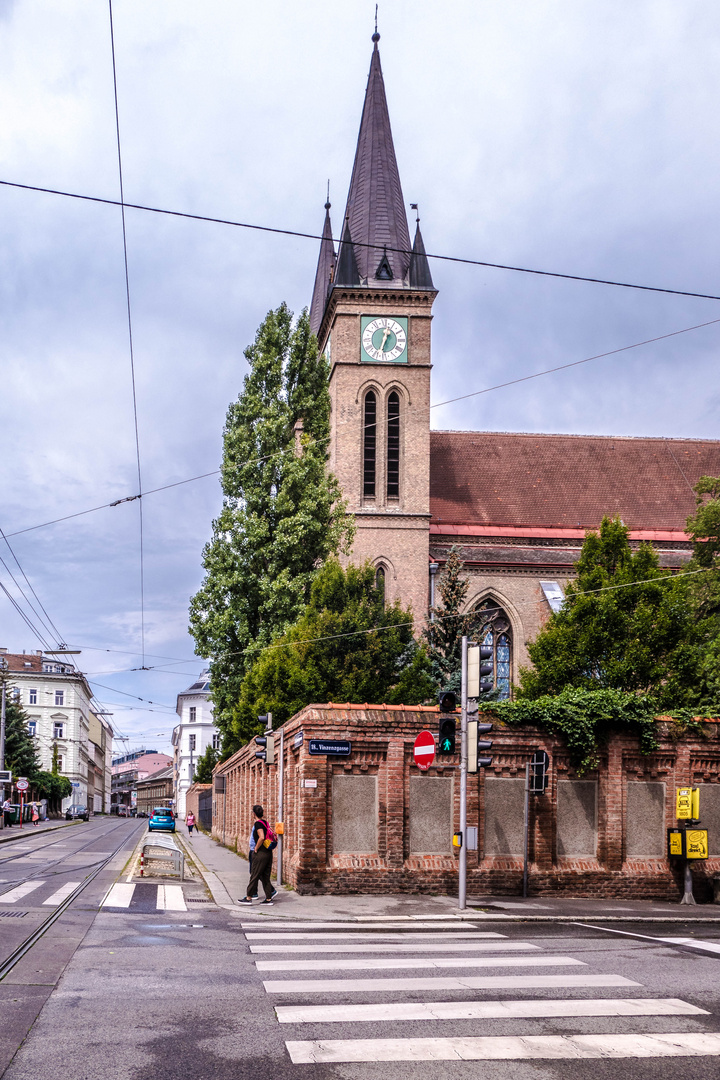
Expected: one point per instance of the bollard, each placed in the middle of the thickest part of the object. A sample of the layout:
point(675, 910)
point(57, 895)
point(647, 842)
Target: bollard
point(142, 864)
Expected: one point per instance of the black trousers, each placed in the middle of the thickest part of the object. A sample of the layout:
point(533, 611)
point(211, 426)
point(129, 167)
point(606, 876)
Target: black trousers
point(261, 869)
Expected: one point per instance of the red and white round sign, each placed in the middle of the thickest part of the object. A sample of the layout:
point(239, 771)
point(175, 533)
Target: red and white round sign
point(22, 784)
point(424, 750)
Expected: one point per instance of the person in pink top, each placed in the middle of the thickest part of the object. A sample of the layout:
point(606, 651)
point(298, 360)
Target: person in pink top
point(190, 821)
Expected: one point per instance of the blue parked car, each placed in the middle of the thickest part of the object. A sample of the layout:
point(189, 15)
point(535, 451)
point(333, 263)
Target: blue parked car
point(162, 818)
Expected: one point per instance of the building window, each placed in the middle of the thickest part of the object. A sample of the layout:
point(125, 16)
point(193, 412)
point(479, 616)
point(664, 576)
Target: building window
point(393, 446)
point(380, 583)
point(59, 763)
point(32, 727)
point(59, 697)
point(369, 445)
point(216, 741)
point(192, 742)
point(58, 728)
point(193, 714)
point(32, 697)
point(496, 632)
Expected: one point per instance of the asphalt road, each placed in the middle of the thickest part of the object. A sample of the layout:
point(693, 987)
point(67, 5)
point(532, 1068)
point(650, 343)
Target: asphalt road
point(198, 994)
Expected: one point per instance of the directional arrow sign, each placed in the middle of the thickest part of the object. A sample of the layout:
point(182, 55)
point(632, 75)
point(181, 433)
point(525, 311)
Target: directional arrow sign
point(424, 750)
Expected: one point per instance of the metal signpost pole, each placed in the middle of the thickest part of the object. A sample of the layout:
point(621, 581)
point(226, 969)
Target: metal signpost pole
point(462, 867)
point(526, 829)
point(281, 788)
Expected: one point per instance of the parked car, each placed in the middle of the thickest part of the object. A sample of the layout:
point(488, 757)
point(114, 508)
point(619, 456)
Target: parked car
point(74, 812)
point(162, 818)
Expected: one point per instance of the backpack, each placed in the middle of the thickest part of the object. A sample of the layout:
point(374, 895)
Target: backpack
point(271, 839)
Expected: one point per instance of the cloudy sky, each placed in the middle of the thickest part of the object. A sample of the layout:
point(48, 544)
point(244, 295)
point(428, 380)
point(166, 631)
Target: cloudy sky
point(568, 135)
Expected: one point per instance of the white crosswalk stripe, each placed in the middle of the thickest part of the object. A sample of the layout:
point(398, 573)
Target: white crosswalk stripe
point(505, 1048)
point(533, 1008)
point(386, 947)
point(20, 891)
point(388, 963)
point(170, 898)
point(119, 896)
point(332, 975)
point(62, 894)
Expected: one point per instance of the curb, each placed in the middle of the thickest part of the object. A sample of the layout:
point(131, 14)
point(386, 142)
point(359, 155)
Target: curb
point(221, 897)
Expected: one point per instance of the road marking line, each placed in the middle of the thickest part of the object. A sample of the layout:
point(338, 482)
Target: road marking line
point(284, 924)
point(374, 964)
point(458, 982)
point(19, 891)
point(174, 899)
point(537, 1008)
point(119, 896)
point(693, 943)
point(160, 900)
point(477, 935)
point(61, 894)
point(499, 1048)
point(417, 946)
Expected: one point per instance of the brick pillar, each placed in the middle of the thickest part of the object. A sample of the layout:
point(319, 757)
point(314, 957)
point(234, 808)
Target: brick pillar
point(611, 783)
point(395, 804)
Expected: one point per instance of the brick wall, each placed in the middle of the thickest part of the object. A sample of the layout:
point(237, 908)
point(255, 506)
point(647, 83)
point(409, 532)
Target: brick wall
point(382, 740)
point(192, 799)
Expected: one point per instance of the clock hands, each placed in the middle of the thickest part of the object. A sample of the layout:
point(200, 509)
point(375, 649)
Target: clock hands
point(386, 335)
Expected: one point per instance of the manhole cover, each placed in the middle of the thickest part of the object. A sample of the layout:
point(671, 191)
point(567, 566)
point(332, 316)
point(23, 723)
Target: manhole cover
point(197, 900)
point(12, 914)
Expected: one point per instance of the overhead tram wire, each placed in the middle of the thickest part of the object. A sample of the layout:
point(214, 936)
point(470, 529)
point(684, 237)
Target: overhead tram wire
point(357, 243)
point(47, 621)
point(130, 336)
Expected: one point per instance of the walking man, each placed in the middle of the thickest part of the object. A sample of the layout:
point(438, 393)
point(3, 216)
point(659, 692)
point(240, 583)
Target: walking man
point(261, 862)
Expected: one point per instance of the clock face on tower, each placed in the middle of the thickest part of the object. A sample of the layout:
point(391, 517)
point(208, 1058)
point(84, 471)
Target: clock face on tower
point(383, 339)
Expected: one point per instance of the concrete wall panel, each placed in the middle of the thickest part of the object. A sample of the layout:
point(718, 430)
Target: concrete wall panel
point(504, 811)
point(431, 815)
point(577, 818)
point(354, 814)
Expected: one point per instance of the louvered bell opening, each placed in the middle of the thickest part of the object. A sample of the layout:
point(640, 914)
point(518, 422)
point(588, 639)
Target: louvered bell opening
point(393, 447)
point(370, 445)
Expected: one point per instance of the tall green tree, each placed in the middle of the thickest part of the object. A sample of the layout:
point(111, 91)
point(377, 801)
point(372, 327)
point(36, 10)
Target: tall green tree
point(282, 514)
point(20, 749)
point(444, 635)
point(348, 645)
point(205, 765)
point(624, 624)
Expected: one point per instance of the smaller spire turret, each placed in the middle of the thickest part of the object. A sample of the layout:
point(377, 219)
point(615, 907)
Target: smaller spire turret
point(347, 268)
point(324, 273)
point(419, 274)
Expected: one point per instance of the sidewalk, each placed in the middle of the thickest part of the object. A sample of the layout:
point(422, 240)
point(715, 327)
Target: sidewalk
point(226, 875)
point(14, 832)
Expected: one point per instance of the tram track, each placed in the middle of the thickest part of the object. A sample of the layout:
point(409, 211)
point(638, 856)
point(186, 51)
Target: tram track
point(46, 871)
point(21, 950)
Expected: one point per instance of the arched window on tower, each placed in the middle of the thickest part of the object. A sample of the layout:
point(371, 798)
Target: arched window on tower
point(393, 446)
point(495, 630)
point(380, 583)
point(369, 444)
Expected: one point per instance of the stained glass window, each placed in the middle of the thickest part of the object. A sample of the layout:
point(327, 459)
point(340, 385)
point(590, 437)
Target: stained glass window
point(496, 632)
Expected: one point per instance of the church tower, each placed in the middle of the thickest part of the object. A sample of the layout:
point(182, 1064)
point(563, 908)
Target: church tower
point(371, 310)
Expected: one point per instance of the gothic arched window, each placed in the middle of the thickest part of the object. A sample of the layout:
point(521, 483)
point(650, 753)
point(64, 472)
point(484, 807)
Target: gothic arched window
point(380, 582)
point(369, 444)
point(393, 446)
point(495, 630)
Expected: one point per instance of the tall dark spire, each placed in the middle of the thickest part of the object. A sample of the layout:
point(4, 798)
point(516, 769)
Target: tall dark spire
point(420, 276)
point(324, 273)
point(375, 207)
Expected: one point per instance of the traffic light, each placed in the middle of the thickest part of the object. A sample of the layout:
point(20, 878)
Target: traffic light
point(447, 700)
point(479, 666)
point(268, 753)
point(447, 735)
point(476, 744)
point(486, 685)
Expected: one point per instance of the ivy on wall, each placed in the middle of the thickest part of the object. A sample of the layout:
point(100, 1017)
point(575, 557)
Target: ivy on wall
point(585, 719)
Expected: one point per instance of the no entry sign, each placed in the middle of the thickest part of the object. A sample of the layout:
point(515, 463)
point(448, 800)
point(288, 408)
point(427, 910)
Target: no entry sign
point(424, 750)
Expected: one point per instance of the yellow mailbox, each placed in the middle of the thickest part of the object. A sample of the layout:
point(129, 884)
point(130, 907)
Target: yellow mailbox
point(696, 844)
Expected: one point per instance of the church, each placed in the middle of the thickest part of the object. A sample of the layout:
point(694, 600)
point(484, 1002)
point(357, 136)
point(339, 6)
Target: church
point(517, 505)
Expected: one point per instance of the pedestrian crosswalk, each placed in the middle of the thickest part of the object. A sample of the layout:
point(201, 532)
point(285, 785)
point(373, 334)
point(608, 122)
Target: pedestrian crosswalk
point(473, 964)
point(135, 897)
point(145, 896)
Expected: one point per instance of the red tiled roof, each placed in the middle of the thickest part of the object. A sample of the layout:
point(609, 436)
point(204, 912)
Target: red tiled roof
point(566, 481)
point(22, 661)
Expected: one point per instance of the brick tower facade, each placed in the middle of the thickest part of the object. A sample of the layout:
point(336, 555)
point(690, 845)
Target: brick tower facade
point(372, 310)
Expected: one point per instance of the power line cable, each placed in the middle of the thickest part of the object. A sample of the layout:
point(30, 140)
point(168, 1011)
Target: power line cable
point(29, 603)
point(357, 243)
point(576, 363)
point(48, 621)
point(130, 335)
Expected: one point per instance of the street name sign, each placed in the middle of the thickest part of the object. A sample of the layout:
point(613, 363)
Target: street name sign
point(424, 750)
point(336, 747)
